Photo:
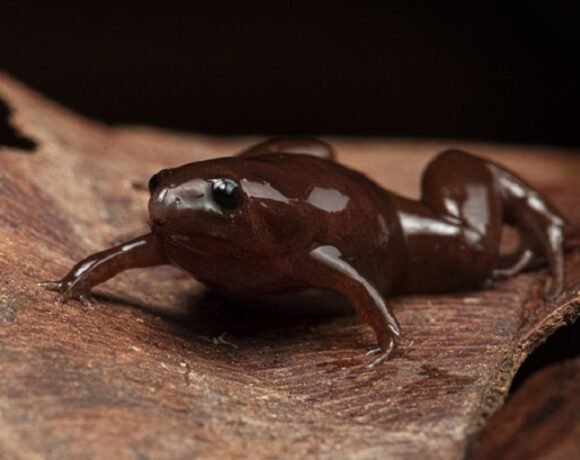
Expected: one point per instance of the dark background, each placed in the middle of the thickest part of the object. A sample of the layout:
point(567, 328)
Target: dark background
point(497, 71)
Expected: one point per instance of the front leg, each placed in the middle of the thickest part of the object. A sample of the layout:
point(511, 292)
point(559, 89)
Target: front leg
point(144, 251)
point(325, 268)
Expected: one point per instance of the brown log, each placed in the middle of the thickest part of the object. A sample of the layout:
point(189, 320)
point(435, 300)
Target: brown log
point(145, 374)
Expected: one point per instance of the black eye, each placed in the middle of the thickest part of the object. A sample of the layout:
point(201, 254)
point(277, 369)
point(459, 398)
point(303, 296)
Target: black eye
point(157, 178)
point(226, 193)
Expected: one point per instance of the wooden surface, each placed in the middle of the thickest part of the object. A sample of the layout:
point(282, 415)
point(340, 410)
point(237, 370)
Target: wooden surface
point(145, 374)
point(542, 420)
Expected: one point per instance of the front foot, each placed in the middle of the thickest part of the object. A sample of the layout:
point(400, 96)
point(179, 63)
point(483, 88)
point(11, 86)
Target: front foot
point(143, 251)
point(68, 290)
point(383, 352)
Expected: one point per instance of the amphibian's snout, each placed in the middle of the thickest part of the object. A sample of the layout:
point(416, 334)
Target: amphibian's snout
point(171, 203)
point(177, 206)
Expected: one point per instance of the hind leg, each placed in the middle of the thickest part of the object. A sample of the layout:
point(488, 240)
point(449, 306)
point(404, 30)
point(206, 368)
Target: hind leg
point(453, 233)
point(452, 185)
point(511, 264)
point(527, 256)
point(541, 226)
point(460, 189)
point(481, 196)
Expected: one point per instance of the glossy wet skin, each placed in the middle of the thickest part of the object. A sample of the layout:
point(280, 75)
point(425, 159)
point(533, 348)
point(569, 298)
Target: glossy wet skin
point(271, 223)
point(284, 218)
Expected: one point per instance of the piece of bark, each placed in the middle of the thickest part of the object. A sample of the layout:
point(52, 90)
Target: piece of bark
point(147, 374)
point(542, 420)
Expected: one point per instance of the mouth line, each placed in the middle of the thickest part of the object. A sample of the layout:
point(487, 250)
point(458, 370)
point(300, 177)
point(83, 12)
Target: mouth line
point(183, 240)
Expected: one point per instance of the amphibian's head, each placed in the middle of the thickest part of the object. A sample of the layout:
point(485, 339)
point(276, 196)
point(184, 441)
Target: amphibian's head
point(216, 205)
point(197, 201)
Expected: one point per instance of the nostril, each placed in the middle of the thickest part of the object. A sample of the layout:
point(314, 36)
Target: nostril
point(175, 202)
point(169, 198)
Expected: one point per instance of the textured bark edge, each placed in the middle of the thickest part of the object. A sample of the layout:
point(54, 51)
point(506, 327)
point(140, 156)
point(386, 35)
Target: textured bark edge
point(562, 311)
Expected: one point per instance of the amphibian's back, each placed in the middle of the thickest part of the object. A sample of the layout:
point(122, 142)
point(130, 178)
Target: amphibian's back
point(334, 205)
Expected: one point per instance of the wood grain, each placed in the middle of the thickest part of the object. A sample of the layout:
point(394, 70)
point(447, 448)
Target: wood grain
point(147, 372)
point(542, 420)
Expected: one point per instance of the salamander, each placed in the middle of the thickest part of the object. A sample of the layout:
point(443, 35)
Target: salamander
point(284, 218)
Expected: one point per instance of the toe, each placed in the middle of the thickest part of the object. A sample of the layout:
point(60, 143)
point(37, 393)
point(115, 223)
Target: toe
point(50, 285)
point(87, 300)
point(384, 355)
point(373, 351)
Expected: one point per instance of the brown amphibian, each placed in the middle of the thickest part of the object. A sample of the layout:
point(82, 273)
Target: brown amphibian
point(283, 218)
